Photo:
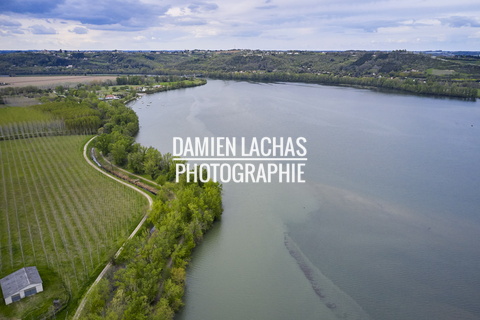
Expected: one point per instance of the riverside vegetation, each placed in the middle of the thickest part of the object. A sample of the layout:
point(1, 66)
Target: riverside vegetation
point(52, 217)
point(455, 74)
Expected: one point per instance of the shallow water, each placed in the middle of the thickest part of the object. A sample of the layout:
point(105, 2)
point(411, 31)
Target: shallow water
point(386, 225)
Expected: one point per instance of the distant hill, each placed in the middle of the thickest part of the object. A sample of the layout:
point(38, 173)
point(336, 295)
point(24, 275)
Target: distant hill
point(460, 69)
point(155, 62)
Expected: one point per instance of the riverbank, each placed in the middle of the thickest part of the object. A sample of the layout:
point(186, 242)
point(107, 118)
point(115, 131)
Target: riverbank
point(181, 214)
point(416, 86)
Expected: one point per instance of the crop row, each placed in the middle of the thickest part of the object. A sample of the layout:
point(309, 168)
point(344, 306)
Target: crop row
point(59, 213)
point(21, 130)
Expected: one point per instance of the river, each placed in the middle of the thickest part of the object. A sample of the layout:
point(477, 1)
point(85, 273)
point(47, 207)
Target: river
point(386, 225)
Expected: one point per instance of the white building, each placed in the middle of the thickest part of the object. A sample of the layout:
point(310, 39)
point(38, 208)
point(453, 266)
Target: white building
point(20, 284)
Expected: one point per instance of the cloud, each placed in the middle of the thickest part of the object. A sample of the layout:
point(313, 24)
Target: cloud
point(190, 22)
point(394, 24)
point(29, 6)
point(10, 27)
point(39, 29)
point(246, 34)
point(178, 11)
point(125, 14)
point(458, 22)
point(270, 7)
point(79, 30)
point(270, 24)
point(197, 19)
point(203, 6)
point(195, 9)
point(9, 23)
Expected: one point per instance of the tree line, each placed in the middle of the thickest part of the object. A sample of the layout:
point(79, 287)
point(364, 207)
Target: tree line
point(147, 80)
point(429, 87)
point(148, 279)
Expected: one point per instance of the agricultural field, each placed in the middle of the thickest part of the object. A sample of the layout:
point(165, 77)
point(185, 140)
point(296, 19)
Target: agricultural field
point(27, 91)
point(11, 115)
point(45, 82)
point(61, 215)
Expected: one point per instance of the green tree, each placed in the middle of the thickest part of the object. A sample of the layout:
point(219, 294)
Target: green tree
point(117, 306)
point(174, 293)
point(135, 162)
point(59, 89)
point(102, 142)
point(118, 151)
point(152, 162)
point(137, 308)
point(98, 298)
point(163, 311)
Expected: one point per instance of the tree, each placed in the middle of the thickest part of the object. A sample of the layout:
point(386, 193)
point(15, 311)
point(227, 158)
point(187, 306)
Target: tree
point(178, 275)
point(165, 163)
point(135, 162)
point(152, 161)
point(102, 142)
point(174, 293)
point(59, 89)
point(137, 308)
point(97, 300)
point(117, 306)
point(119, 152)
point(163, 311)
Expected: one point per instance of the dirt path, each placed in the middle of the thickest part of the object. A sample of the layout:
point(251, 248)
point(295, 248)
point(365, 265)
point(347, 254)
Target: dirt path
point(78, 312)
point(128, 172)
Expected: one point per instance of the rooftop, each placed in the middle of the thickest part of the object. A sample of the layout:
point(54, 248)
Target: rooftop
point(18, 280)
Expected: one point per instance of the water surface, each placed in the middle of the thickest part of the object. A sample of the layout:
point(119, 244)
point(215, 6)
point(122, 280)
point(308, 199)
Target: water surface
point(386, 226)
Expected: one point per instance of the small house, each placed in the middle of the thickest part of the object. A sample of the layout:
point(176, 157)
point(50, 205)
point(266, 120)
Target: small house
point(20, 284)
point(111, 97)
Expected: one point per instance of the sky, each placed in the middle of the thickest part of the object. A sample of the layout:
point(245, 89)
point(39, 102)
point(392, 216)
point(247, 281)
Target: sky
point(240, 24)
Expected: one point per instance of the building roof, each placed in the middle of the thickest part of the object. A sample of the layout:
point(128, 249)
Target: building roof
point(18, 280)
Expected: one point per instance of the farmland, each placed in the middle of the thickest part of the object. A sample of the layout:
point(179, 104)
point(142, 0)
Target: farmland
point(51, 82)
point(59, 214)
point(10, 115)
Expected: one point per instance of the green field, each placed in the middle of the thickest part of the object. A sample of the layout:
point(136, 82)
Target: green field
point(61, 215)
point(438, 72)
point(9, 115)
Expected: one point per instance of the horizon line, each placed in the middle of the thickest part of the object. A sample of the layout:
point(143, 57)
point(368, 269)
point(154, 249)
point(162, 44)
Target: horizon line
point(240, 49)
